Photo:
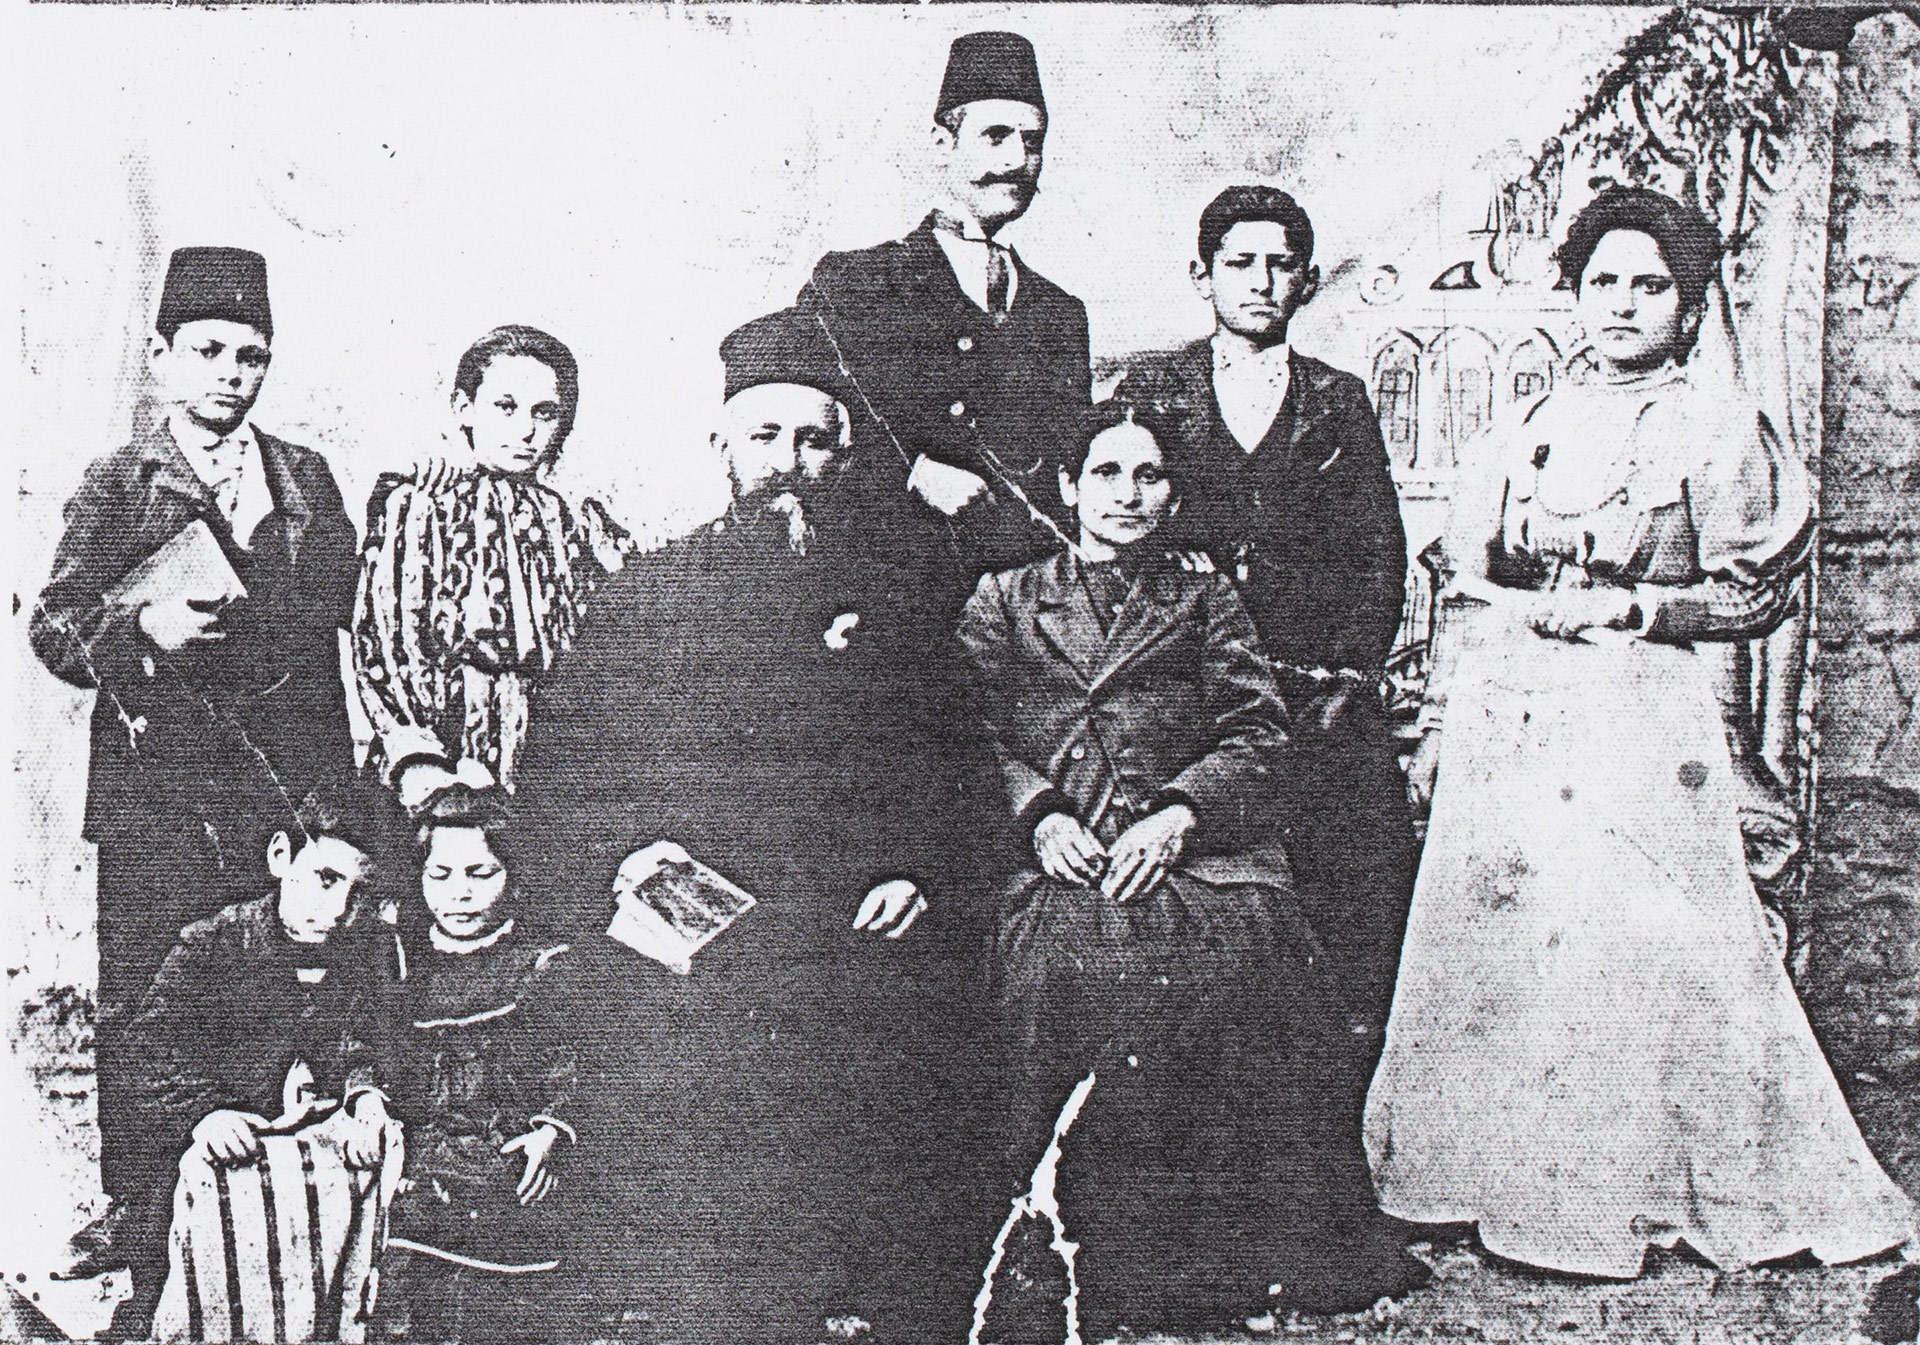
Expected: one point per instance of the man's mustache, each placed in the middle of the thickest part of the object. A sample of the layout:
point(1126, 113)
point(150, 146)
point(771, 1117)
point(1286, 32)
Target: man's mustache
point(1008, 180)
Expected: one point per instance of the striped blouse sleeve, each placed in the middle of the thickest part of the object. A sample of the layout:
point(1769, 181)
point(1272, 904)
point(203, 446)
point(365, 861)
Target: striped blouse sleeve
point(400, 679)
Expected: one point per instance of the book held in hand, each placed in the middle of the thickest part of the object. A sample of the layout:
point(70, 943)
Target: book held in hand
point(188, 567)
point(670, 905)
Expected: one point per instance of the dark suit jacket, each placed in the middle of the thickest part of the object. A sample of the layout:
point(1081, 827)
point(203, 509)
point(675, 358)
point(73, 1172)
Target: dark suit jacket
point(1309, 521)
point(222, 734)
point(939, 377)
point(226, 1017)
point(1309, 524)
point(1175, 703)
point(704, 701)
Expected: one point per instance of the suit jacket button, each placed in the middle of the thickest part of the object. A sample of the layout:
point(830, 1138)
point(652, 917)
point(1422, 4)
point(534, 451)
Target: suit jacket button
point(957, 409)
point(1078, 751)
point(965, 344)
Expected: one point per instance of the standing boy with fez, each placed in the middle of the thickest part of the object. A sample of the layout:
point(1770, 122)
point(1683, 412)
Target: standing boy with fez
point(968, 367)
point(1289, 489)
point(215, 711)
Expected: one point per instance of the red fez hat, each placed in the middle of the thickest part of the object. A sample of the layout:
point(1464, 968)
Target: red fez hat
point(784, 347)
point(226, 283)
point(990, 65)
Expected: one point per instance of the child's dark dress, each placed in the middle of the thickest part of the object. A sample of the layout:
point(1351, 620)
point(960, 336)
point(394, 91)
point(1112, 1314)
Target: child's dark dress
point(480, 1056)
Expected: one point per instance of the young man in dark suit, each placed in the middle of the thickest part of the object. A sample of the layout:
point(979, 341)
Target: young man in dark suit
point(969, 366)
point(1290, 491)
point(216, 709)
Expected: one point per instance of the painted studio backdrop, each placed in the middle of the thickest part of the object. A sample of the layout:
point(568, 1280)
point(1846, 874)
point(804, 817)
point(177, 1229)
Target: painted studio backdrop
point(639, 181)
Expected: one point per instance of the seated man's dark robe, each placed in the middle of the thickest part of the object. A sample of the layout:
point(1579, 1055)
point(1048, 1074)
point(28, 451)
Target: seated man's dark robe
point(789, 1132)
point(1212, 1157)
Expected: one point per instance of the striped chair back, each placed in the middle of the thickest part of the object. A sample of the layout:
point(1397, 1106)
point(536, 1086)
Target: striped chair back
point(285, 1248)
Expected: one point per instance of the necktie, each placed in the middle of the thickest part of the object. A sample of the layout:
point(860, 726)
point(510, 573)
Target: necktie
point(225, 466)
point(999, 280)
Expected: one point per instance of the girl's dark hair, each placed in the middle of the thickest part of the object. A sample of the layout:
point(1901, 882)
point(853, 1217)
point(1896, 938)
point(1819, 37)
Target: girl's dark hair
point(515, 339)
point(482, 810)
point(1688, 241)
point(1097, 419)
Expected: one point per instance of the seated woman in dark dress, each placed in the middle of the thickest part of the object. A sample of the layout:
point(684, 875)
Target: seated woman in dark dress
point(1150, 937)
point(483, 1069)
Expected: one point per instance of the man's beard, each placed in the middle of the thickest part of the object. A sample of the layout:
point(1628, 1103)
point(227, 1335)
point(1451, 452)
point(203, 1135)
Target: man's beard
point(789, 504)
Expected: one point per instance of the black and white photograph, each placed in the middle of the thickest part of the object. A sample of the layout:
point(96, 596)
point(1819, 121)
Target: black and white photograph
point(964, 674)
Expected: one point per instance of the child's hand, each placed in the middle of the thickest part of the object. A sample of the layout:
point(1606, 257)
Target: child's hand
point(537, 1180)
point(229, 1137)
point(361, 1146)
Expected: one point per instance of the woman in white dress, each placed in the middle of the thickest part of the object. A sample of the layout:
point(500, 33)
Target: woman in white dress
point(1594, 1046)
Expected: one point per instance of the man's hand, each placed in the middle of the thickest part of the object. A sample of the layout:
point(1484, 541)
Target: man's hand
point(360, 1145)
point(173, 625)
point(1565, 613)
point(1068, 851)
point(948, 489)
point(1145, 851)
point(421, 780)
point(536, 1179)
point(1196, 562)
point(230, 1137)
point(890, 909)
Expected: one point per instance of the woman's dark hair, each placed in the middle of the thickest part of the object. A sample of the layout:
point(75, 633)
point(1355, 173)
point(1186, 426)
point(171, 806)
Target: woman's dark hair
point(1688, 242)
point(1097, 419)
point(514, 339)
point(1238, 205)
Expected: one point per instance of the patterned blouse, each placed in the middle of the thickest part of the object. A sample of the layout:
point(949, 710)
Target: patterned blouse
point(468, 593)
point(1690, 500)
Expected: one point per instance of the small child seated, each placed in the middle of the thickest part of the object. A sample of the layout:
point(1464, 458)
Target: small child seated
point(267, 1009)
point(483, 1068)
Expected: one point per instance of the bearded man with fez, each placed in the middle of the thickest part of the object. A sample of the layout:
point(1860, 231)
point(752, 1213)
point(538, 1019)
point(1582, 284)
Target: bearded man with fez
point(198, 589)
point(969, 367)
point(796, 1123)
point(1290, 490)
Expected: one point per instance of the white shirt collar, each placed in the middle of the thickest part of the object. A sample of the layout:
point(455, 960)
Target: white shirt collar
point(229, 467)
point(447, 943)
point(1250, 386)
point(967, 254)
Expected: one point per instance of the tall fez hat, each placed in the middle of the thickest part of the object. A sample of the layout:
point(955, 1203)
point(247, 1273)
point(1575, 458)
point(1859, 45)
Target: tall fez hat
point(784, 347)
point(990, 65)
point(228, 283)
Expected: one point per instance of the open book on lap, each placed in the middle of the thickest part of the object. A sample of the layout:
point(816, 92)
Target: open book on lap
point(670, 906)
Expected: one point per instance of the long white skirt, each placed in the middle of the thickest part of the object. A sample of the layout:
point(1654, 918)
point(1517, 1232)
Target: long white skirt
point(1594, 1045)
